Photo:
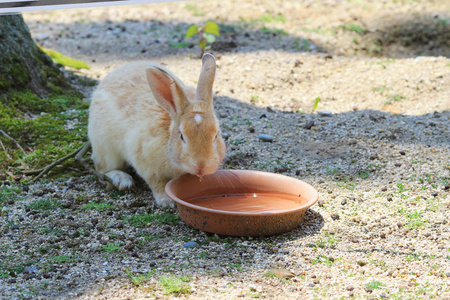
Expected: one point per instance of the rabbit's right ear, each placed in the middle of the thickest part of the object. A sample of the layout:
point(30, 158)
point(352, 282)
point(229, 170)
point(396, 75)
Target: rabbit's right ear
point(206, 79)
point(166, 90)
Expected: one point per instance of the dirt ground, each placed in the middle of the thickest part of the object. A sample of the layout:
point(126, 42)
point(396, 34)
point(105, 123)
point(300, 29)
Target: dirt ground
point(376, 147)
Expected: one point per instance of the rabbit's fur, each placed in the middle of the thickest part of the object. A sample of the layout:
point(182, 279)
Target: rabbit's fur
point(144, 116)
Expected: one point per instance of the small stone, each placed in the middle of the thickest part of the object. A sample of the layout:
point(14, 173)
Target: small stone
point(383, 295)
point(349, 288)
point(447, 186)
point(42, 36)
point(311, 285)
point(343, 202)
point(402, 152)
point(383, 235)
point(447, 274)
point(321, 203)
point(324, 113)
point(30, 269)
point(335, 216)
point(282, 273)
point(398, 164)
point(389, 199)
point(435, 194)
point(94, 221)
point(191, 245)
point(263, 116)
point(266, 137)
point(361, 263)
point(309, 124)
point(384, 189)
point(368, 290)
point(251, 129)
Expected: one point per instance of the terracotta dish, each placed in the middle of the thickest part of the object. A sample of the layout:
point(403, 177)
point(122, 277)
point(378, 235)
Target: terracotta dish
point(242, 203)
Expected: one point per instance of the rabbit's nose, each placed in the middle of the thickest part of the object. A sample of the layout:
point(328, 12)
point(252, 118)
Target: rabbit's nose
point(200, 172)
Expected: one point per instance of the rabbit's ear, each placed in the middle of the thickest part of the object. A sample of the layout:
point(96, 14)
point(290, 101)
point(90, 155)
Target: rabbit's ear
point(166, 90)
point(206, 79)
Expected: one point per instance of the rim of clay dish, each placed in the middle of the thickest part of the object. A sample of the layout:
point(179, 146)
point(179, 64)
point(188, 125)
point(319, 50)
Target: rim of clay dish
point(311, 200)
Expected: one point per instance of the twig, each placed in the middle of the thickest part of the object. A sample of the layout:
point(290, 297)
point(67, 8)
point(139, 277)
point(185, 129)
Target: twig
point(4, 149)
point(79, 158)
point(45, 170)
point(17, 144)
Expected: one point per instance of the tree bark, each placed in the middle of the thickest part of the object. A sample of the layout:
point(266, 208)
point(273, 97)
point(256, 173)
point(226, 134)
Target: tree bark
point(22, 64)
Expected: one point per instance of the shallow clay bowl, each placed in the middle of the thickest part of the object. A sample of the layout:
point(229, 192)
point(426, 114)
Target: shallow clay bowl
point(242, 203)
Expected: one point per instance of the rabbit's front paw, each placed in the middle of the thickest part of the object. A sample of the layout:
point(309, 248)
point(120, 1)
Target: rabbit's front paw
point(164, 201)
point(121, 180)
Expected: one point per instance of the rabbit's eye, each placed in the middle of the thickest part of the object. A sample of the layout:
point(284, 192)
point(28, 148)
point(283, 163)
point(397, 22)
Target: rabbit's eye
point(182, 137)
point(216, 136)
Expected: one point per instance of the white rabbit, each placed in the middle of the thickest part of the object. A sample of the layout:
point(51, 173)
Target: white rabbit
point(144, 116)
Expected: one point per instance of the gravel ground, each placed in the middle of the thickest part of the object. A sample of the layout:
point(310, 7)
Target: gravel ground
point(377, 149)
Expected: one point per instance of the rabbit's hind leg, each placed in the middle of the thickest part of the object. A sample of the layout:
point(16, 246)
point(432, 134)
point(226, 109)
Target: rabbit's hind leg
point(110, 164)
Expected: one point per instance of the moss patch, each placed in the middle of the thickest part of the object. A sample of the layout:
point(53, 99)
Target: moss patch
point(46, 128)
point(64, 60)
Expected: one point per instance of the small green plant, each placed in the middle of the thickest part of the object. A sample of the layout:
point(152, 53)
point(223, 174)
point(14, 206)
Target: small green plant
point(8, 193)
point(395, 97)
point(44, 204)
point(111, 247)
point(102, 206)
point(373, 285)
point(144, 219)
point(354, 28)
point(274, 31)
point(316, 103)
point(62, 259)
point(322, 259)
point(139, 280)
point(175, 284)
point(401, 188)
point(207, 34)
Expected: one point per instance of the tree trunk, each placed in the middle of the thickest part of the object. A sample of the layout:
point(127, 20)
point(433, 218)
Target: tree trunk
point(22, 64)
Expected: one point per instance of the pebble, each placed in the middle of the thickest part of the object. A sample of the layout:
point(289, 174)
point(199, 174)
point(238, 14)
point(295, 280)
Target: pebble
point(309, 124)
point(191, 245)
point(30, 269)
point(335, 216)
point(324, 113)
point(402, 152)
point(435, 194)
point(398, 164)
point(343, 202)
point(266, 137)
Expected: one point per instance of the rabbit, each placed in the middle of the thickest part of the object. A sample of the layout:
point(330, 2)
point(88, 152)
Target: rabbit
point(144, 116)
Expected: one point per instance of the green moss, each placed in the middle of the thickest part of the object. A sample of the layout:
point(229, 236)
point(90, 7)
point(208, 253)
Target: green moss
point(40, 127)
point(64, 60)
point(13, 74)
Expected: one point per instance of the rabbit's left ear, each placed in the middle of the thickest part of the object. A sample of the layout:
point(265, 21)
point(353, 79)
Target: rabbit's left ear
point(167, 92)
point(206, 79)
